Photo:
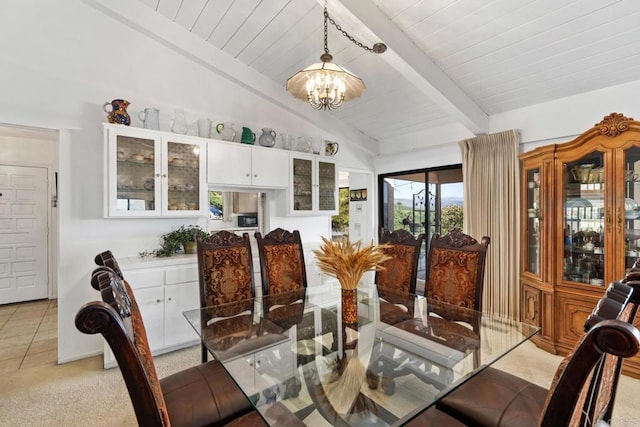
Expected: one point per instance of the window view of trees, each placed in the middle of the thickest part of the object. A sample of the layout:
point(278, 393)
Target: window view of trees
point(340, 222)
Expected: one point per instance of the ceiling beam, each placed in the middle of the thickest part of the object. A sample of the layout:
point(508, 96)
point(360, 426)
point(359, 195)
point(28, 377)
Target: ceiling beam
point(143, 19)
point(403, 55)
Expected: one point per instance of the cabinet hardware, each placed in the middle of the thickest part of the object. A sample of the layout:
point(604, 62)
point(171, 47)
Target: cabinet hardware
point(619, 220)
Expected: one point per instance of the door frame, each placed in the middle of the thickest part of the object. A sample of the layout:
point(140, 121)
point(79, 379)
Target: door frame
point(52, 196)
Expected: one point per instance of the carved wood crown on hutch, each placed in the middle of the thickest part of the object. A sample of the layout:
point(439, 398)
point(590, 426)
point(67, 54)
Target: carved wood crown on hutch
point(613, 124)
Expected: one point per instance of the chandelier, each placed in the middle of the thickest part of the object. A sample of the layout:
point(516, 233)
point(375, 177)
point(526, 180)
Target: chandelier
point(326, 85)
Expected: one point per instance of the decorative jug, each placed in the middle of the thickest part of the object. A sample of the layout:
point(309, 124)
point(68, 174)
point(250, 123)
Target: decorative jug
point(248, 137)
point(582, 172)
point(331, 148)
point(150, 118)
point(179, 124)
point(268, 137)
point(226, 131)
point(118, 113)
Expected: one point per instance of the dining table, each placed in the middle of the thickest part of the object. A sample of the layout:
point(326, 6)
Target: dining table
point(291, 353)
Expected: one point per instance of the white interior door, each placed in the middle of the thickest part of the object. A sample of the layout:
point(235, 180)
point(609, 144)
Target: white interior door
point(23, 233)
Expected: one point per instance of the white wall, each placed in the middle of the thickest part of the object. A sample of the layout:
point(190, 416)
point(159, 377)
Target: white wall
point(564, 119)
point(63, 61)
point(548, 123)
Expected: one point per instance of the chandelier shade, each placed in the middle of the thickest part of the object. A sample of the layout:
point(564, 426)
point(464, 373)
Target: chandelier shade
point(325, 85)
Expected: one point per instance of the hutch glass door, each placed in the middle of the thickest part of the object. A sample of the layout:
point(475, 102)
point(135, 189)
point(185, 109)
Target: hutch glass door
point(631, 206)
point(584, 220)
point(533, 225)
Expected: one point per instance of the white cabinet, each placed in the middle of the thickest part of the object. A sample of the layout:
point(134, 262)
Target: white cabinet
point(240, 165)
point(313, 186)
point(153, 174)
point(163, 293)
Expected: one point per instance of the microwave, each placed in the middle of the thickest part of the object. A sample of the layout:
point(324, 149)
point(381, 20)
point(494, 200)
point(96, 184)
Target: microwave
point(247, 220)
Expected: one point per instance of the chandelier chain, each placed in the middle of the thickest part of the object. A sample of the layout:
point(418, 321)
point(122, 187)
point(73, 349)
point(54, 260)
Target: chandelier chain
point(344, 33)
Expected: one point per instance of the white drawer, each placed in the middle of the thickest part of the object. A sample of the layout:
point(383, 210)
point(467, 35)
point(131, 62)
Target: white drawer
point(145, 278)
point(182, 274)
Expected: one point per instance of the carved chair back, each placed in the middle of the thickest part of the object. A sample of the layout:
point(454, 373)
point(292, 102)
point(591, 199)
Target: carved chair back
point(401, 271)
point(118, 319)
point(225, 268)
point(281, 261)
point(584, 386)
point(455, 269)
point(583, 389)
point(396, 282)
point(225, 271)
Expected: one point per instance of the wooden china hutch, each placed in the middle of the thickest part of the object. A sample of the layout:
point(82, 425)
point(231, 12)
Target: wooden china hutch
point(580, 228)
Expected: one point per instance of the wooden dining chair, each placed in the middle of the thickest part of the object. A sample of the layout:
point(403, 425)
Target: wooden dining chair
point(583, 389)
point(282, 266)
point(455, 269)
point(225, 271)
point(198, 396)
point(396, 280)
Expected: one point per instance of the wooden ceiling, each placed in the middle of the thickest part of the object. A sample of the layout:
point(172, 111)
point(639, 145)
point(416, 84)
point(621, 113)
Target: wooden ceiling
point(449, 62)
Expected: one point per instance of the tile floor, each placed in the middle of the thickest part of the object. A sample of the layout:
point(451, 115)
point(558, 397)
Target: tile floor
point(28, 335)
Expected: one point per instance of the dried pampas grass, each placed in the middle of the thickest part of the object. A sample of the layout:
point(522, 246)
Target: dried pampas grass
point(348, 261)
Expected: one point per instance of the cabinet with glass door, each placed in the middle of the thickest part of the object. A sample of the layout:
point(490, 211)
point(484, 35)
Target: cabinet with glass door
point(153, 174)
point(536, 220)
point(313, 188)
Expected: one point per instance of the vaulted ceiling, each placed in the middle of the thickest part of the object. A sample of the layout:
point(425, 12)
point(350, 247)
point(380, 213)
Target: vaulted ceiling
point(449, 63)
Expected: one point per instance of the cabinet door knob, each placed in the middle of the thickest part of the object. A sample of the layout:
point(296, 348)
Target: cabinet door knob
point(158, 301)
point(248, 174)
point(255, 176)
point(157, 175)
point(164, 175)
point(169, 299)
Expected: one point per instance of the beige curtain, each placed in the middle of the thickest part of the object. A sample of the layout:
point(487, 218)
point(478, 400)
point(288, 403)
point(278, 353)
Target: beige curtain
point(490, 169)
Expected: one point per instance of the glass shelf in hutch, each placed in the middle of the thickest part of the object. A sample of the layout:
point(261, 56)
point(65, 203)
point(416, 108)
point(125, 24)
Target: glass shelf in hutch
point(584, 220)
point(533, 226)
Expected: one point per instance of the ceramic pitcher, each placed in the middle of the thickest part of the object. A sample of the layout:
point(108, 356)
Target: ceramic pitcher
point(179, 124)
point(268, 137)
point(226, 131)
point(118, 113)
point(150, 118)
point(248, 137)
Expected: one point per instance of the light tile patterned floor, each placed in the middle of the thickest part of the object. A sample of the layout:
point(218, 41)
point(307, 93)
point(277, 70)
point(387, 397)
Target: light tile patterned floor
point(28, 335)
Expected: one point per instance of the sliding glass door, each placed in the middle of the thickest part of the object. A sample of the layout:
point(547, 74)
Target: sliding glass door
point(425, 201)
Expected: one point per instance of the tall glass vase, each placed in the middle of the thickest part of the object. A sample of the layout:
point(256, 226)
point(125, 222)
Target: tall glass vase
point(349, 306)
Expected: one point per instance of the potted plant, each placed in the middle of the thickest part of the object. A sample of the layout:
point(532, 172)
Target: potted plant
point(183, 237)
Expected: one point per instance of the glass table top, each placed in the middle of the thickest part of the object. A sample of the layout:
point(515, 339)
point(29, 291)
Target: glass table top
point(292, 352)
